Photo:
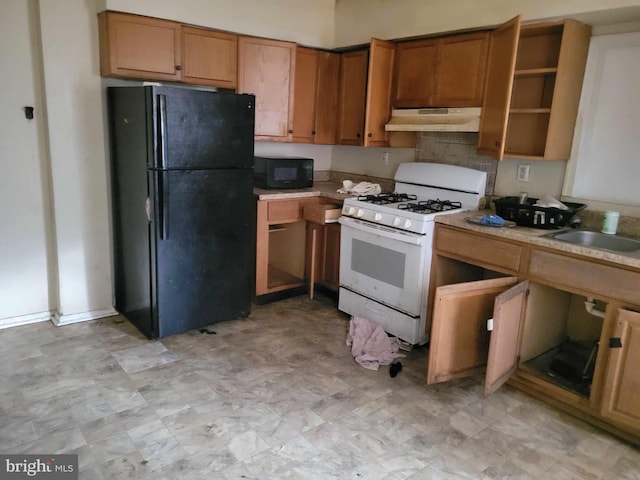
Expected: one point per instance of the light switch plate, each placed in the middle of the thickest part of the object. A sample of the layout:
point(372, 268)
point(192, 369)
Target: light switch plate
point(523, 173)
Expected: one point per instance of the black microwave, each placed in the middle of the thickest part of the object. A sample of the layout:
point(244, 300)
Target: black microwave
point(282, 172)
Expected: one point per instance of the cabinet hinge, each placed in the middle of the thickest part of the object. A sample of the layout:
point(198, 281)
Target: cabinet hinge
point(615, 342)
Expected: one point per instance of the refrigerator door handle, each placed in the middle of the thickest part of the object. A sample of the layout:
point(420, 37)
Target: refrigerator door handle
point(162, 131)
point(163, 199)
point(147, 208)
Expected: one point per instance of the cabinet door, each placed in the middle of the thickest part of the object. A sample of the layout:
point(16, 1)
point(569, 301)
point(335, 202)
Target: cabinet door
point(353, 87)
point(501, 63)
point(459, 343)
point(327, 98)
point(266, 69)
point(461, 66)
point(331, 265)
point(139, 47)
point(621, 398)
point(209, 57)
point(504, 347)
point(378, 106)
point(305, 93)
point(415, 73)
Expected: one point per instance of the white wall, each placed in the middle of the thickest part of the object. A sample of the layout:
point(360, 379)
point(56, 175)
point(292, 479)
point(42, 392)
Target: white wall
point(78, 163)
point(308, 22)
point(359, 20)
point(26, 263)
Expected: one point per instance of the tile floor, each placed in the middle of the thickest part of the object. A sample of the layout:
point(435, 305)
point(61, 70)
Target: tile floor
point(274, 396)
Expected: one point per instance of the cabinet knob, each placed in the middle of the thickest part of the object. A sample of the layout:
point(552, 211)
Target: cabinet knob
point(497, 143)
point(369, 134)
point(178, 67)
point(357, 135)
point(313, 132)
point(290, 131)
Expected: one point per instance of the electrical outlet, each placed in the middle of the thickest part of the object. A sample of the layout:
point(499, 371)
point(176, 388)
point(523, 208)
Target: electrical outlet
point(385, 158)
point(523, 173)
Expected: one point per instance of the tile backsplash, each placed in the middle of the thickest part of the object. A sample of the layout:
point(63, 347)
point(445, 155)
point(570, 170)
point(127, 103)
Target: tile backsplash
point(456, 148)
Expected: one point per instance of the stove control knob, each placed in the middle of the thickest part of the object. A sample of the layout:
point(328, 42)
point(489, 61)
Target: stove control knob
point(360, 213)
point(397, 221)
point(350, 211)
point(377, 217)
point(407, 224)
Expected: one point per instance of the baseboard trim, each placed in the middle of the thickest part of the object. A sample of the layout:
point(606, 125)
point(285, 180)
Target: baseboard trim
point(60, 320)
point(25, 319)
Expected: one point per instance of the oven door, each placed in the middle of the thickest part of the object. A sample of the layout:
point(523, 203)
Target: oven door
point(384, 264)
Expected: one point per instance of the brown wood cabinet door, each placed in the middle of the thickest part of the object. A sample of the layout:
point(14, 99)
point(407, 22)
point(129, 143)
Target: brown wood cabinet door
point(305, 94)
point(353, 87)
point(621, 396)
point(331, 264)
point(415, 73)
point(461, 66)
point(266, 68)
point(379, 82)
point(209, 57)
point(459, 343)
point(139, 47)
point(327, 97)
point(504, 346)
point(501, 63)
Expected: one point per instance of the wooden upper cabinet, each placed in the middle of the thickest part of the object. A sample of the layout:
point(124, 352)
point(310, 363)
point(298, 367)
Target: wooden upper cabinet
point(135, 46)
point(543, 81)
point(209, 57)
point(353, 87)
point(379, 82)
point(441, 72)
point(621, 396)
point(315, 96)
point(414, 73)
point(266, 68)
point(327, 97)
point(305, 94)
point(501, 64)
point(461, 67)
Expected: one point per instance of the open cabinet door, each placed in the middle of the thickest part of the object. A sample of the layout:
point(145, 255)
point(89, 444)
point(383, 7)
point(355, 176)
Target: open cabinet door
point(504, 347)
point(501, 65)
point(621, 397)
point(378, 107)
point(459, 338)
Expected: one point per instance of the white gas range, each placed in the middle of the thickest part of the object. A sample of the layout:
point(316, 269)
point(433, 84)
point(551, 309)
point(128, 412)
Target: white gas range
point(386, 243)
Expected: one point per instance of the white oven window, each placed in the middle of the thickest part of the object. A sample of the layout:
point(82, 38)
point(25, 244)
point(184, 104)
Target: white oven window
point(387, 266)
point(378, 262)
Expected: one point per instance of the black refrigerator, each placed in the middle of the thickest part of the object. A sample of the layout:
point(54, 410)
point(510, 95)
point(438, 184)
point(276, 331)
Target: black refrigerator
point(182, 206)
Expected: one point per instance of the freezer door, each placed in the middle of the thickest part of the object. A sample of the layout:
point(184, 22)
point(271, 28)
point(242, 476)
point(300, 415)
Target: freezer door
point(197, 129)
point(203, 238)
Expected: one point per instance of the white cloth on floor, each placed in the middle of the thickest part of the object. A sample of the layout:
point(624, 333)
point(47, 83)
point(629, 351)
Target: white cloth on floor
point(370, 345)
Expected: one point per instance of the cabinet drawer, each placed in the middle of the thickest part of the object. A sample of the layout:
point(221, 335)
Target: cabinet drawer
point(321, 213)
point(284, 211)
point(482, 250)
point(601, 280)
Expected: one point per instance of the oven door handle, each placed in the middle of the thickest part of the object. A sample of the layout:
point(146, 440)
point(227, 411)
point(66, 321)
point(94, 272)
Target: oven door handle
point(381, 230)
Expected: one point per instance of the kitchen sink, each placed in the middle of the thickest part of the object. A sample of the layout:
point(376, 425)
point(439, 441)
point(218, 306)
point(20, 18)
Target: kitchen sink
point(604, 241)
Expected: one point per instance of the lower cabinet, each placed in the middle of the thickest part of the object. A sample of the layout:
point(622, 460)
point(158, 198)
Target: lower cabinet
point(323, 254)
point(545, 335)
point(295, 244)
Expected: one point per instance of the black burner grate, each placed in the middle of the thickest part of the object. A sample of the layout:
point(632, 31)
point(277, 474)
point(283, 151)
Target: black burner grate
point(386, 198)
point(430, 206)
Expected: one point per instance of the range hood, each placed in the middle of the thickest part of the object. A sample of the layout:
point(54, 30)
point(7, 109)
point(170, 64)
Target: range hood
point(434, 120)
